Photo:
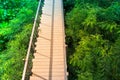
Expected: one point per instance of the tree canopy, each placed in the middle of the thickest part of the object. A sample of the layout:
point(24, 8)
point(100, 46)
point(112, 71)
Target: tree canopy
point(92, 36)
point(16, 19)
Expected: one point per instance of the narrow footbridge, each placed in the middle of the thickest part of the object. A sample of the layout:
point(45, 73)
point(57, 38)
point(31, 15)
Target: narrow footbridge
point(49, 62)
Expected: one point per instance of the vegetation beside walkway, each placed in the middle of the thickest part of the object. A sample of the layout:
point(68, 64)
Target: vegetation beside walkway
point(93, 39)
point(16, 20)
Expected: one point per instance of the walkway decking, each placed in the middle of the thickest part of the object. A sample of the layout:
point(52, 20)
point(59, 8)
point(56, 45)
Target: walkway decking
point(49, 61)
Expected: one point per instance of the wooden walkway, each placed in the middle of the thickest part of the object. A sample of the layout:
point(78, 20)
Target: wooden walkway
point(49, 61)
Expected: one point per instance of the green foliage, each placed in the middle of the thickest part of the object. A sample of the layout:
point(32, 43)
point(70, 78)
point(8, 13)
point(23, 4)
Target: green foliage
point(115, 58)
point(15, 29)
point(101, 3)
point(9, 8)
point(92, 36)
point(112, 13)
point(23, 17)
point(91, 58)
point(12, 64)
point(91, 20)
point(108, 26)
point(68, 4)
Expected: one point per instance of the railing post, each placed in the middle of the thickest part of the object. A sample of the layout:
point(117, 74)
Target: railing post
point(33, 46)
point(35, 34)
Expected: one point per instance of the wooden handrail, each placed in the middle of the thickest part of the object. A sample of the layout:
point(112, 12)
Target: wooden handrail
point(30, 42)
